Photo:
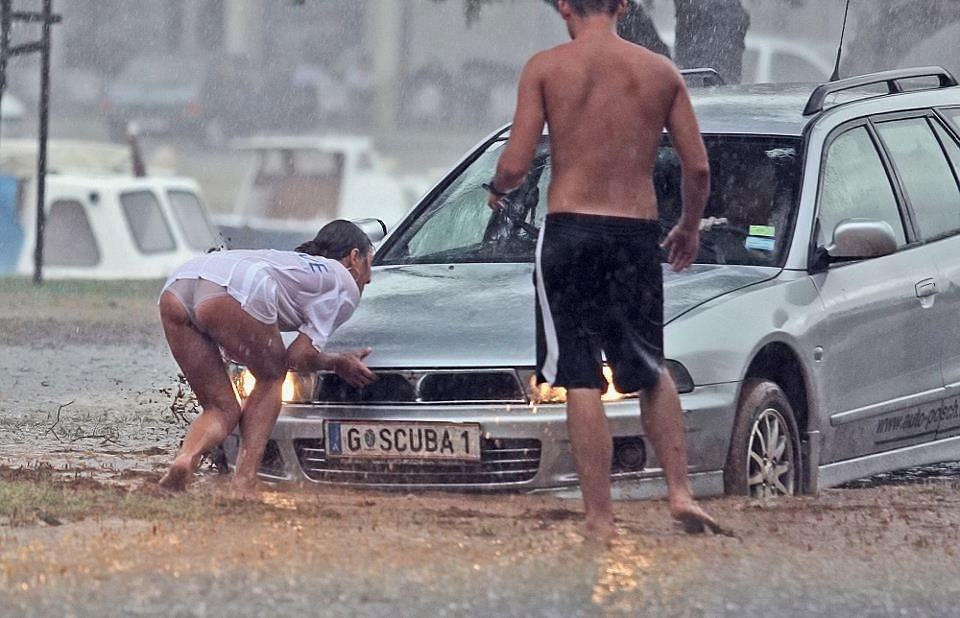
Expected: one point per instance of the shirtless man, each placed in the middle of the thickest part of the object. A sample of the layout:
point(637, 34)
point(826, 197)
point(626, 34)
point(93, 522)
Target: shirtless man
point(599, 279)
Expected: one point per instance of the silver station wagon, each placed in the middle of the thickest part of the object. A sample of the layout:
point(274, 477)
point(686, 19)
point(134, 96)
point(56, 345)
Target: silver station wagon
point(816, 339)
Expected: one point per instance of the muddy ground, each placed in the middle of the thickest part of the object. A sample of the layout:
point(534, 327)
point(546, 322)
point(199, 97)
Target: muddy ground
point(91, 409)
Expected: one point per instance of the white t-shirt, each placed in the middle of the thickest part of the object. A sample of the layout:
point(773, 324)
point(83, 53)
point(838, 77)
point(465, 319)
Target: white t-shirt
point(295, 291)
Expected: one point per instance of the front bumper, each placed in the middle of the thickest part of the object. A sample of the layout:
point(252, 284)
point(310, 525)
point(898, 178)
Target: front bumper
point(298, 435)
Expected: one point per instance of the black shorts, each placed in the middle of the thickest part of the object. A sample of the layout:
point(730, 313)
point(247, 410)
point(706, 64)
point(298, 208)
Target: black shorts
point(599, 291)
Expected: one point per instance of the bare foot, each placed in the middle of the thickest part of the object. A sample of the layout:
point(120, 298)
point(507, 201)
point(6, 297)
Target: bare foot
point(693, 519)
point(245, 489)
point(177, 476)
point(599, 532)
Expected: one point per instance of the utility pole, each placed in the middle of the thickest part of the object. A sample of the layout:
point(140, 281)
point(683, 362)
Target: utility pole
point(46, 18)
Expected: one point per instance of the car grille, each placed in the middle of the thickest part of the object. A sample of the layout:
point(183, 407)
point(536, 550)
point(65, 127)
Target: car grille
point(426, 386)
point(501, 462)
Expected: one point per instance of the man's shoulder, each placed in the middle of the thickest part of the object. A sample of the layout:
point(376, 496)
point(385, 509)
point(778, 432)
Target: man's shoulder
point(652, 60)
point(547, 57)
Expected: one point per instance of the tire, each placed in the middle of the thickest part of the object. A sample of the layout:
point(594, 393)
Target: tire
point(752, 469)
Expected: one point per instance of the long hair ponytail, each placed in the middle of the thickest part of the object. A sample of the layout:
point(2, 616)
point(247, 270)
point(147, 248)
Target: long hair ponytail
point(336, 240)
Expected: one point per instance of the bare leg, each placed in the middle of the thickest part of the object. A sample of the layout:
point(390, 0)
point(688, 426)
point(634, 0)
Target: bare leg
point(259, 347)
point(199, 359)
point(592, 450)
point(260, 413)
point(662, 420)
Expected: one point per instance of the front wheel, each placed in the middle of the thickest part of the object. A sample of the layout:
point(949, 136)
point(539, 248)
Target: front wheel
point(764, 457)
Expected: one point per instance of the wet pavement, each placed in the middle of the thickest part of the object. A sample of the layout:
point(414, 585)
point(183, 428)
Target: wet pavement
point(88, 388)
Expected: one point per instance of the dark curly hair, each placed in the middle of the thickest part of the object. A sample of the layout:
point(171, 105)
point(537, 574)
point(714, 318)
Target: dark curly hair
point(584, 7)
point(336, 240)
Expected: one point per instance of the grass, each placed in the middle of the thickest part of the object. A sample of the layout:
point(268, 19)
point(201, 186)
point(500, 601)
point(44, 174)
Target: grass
point(77, 287)
point(31, 495)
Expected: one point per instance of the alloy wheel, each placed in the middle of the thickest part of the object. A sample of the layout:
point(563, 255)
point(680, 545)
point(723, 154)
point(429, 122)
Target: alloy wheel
point(770, 465)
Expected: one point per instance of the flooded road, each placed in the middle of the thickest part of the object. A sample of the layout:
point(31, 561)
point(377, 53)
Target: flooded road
point(89, 393)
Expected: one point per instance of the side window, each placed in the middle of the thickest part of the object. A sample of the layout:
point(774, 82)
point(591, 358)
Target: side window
point(855, 185)
point(146, 222)
point(925, 175)
point(951, 146)
point(68, 238)
point(953, 114)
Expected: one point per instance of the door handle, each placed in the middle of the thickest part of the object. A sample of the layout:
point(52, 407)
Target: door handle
point(927, 288)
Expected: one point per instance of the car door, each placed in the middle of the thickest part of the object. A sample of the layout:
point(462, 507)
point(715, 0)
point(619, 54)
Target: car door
point(918, 146)
point(880, 357)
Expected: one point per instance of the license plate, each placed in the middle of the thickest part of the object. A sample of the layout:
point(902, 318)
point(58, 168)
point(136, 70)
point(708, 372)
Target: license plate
point(403, 440)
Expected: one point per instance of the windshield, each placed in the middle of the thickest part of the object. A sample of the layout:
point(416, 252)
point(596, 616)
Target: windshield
point(748, 218)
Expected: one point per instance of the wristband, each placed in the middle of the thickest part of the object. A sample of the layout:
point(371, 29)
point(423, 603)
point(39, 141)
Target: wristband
point(489, 187)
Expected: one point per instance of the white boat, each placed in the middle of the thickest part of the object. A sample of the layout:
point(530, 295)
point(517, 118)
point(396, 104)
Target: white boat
point(101, 221)
point(295, 185)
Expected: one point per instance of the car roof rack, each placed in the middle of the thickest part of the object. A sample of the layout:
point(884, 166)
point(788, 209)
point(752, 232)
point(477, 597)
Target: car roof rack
point(815, 104)
point(709, 76)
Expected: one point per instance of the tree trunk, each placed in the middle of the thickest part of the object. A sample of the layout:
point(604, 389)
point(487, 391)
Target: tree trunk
point(710, 33)
point(873, 49)
point(636, 26)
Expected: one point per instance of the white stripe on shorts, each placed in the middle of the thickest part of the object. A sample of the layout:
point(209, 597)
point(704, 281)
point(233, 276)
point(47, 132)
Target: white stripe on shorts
point(549, 368)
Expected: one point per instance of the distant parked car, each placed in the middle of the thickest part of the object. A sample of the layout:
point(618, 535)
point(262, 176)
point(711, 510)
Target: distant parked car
point(816, 340)
point(768, 60)
point(208, 99)
point(162, 94)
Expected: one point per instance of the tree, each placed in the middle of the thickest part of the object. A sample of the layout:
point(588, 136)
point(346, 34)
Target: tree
point(709, 33)
point(873, 49)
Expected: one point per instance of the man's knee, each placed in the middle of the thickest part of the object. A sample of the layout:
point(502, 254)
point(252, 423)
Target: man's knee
point(269, 368)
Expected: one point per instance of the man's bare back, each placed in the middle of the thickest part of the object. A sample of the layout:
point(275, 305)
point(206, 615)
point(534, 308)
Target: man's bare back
point(606, 103)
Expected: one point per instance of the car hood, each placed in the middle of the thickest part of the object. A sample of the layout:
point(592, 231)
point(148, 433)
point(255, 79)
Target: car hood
point(482, 315)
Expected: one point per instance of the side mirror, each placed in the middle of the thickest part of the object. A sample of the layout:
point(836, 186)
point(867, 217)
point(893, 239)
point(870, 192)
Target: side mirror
point(857, 239)
point(374, 228)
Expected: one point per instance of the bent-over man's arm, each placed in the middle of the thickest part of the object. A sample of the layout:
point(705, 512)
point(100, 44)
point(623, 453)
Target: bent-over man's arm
point(683, 242)
point(525, 133)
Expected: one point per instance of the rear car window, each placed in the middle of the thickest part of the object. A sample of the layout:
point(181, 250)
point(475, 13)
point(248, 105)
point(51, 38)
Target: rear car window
point(925, 175)
point(149, 227)
point(68, 238)
point(192, 219)
point(855, 185)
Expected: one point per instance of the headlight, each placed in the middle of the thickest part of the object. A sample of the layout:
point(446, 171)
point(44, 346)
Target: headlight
point(544, 393)
point(297, 387)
